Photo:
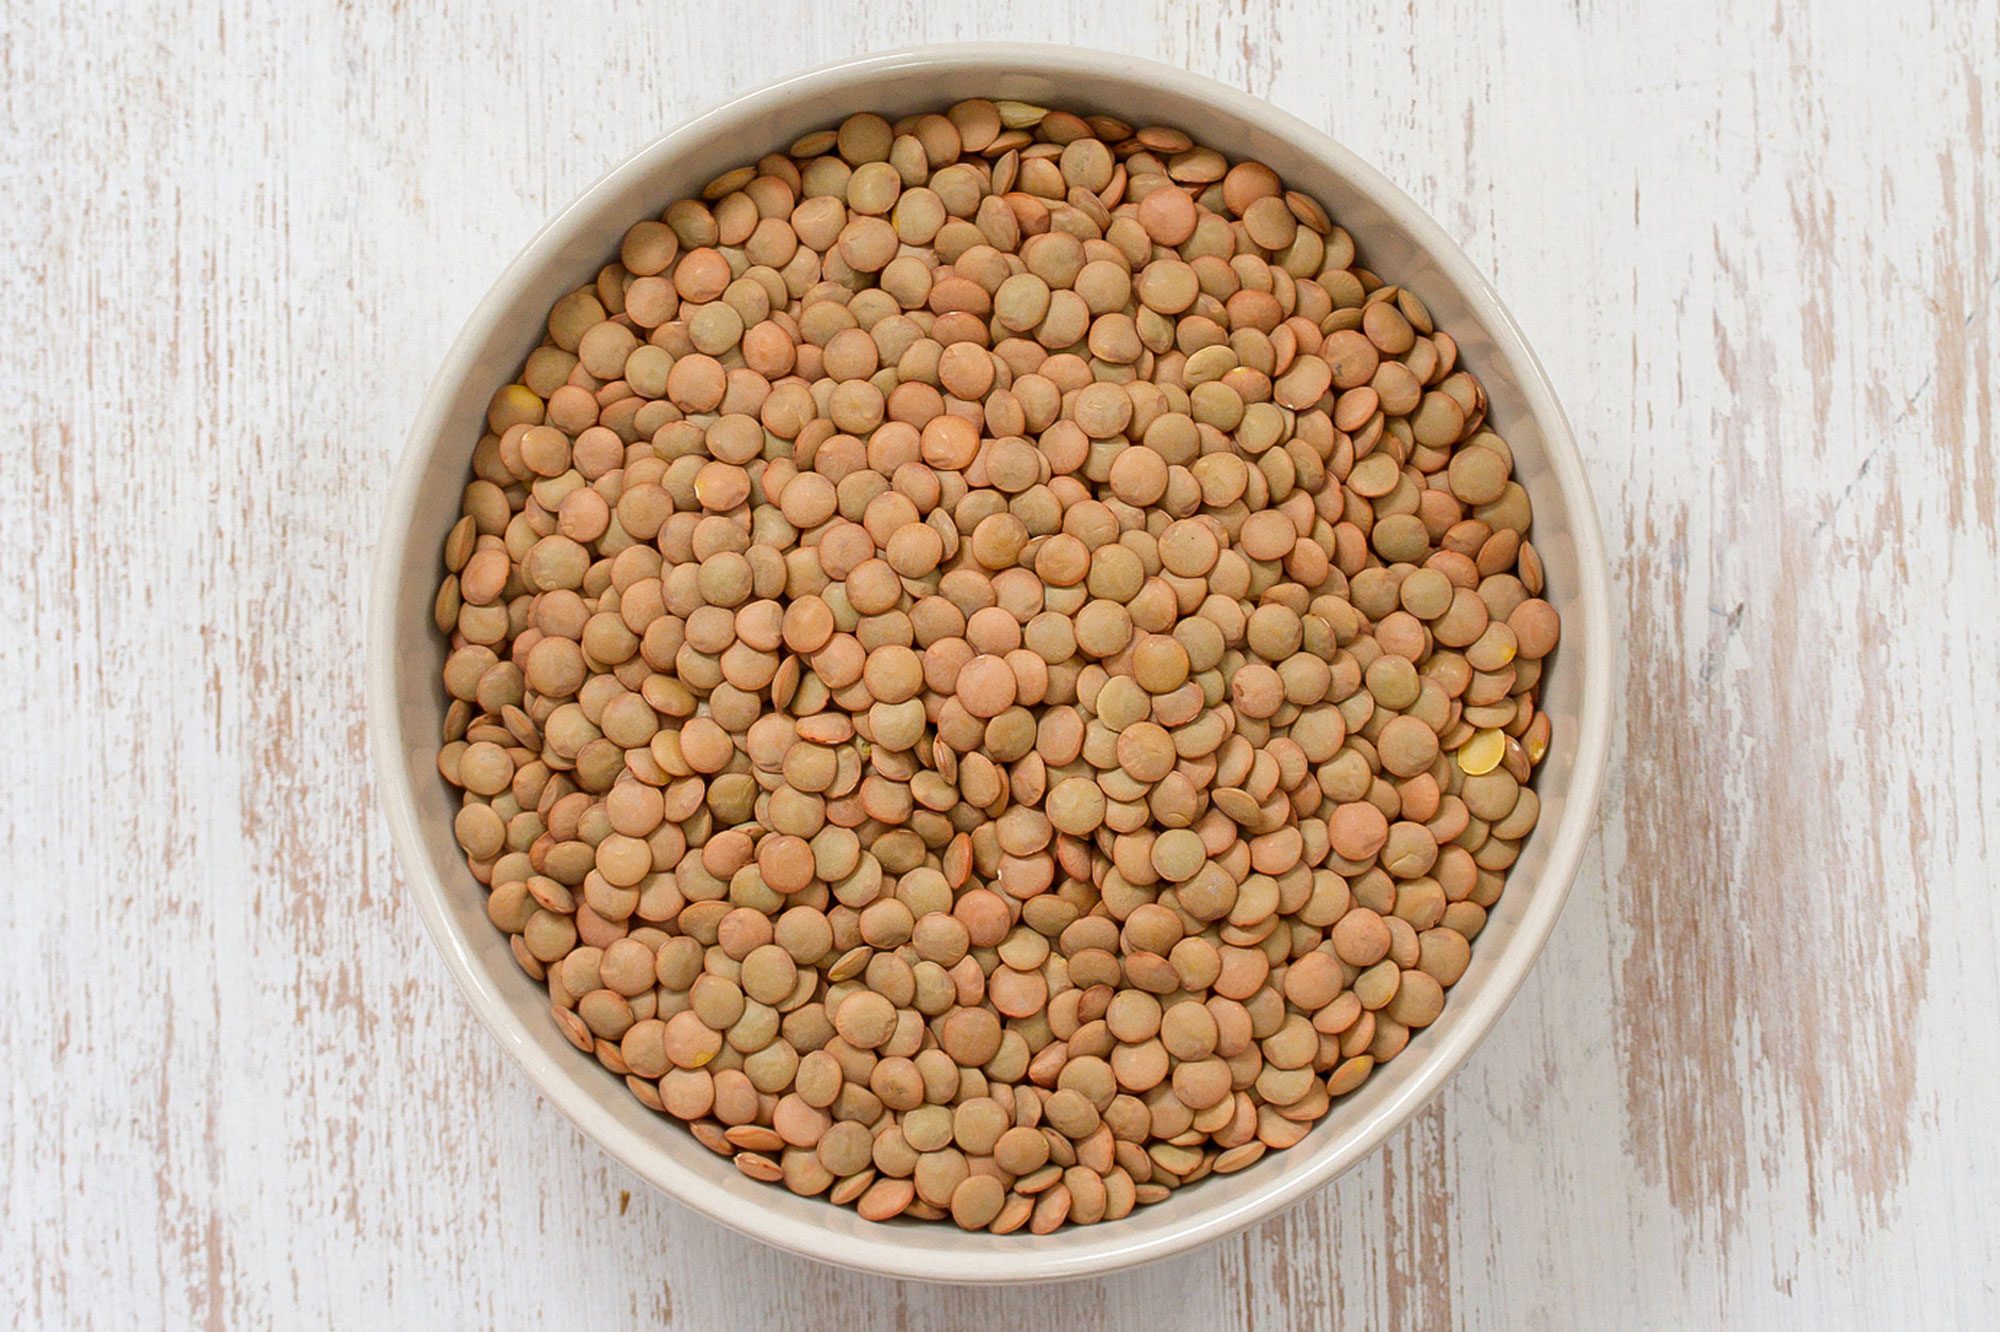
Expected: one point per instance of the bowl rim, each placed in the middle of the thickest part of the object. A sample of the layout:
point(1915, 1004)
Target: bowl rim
point(892, 1254)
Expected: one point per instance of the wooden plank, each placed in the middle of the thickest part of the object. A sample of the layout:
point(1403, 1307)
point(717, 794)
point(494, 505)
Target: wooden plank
point(1756, 248)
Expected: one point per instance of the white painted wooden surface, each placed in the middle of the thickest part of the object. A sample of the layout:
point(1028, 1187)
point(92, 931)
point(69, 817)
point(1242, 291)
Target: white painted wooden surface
point(1750, 1084)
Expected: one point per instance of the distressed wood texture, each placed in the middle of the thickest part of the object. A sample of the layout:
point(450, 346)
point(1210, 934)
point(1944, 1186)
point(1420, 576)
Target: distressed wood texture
point(1749, 1084)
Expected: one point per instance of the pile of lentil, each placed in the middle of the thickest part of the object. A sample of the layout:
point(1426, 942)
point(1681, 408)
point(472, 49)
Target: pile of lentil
point(993, 668)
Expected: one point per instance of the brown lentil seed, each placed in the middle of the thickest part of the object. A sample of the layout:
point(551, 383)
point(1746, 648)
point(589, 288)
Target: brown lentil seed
point(1111, 699)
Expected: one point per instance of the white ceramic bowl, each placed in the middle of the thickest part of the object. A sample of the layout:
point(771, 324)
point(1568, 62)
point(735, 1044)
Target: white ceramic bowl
point(406, 702)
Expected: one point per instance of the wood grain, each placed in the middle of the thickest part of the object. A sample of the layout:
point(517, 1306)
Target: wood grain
point(1748, 1085)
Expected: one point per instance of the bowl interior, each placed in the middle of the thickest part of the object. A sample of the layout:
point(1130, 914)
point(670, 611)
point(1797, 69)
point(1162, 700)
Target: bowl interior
point(407, 701)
